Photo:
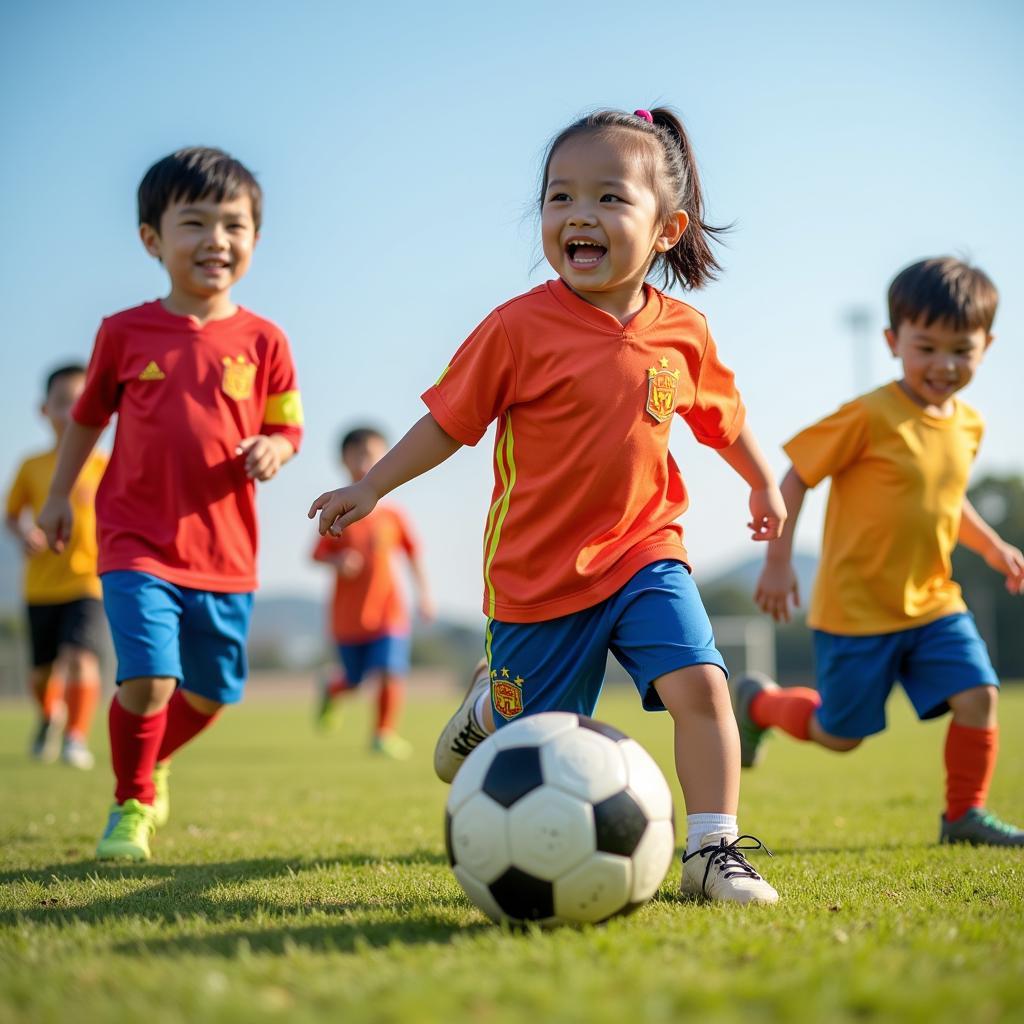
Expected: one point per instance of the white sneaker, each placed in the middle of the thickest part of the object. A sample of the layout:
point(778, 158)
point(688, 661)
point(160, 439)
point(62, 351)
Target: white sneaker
point(75, 753)
point(462, 733)
point(719, 871)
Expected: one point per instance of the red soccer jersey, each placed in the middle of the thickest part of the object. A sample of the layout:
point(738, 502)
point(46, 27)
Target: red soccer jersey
point(369, 604)
point(586, 492)
point(175, 501)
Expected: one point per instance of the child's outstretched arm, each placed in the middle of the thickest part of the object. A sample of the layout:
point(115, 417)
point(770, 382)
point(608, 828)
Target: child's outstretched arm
point(778, 583)
point(425, 446)
point(767, 511)
point(55, 516)
point(977, 535)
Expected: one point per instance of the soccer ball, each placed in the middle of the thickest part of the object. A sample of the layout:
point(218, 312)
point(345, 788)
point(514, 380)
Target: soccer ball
point(556, 819)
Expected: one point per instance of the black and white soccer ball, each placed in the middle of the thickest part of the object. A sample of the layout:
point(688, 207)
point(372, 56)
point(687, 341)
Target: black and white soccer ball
point(557, 818)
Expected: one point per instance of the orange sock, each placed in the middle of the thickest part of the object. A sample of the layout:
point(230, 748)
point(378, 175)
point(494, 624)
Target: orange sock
point(389, 705)
point(82, 697)
point(970, 762)
point(49, 694)
point(787, 709)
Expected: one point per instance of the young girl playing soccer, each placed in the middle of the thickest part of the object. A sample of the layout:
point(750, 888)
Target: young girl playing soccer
point(582, 552)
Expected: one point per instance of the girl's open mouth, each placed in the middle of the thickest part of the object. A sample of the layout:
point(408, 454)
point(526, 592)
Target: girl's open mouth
point(583, 255)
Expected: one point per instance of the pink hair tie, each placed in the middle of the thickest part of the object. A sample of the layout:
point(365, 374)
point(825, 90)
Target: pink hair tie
point(644, 115)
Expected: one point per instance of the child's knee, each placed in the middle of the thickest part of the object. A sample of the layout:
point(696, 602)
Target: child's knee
point(145, 695)
point(697, 689)
point(78, 663)
point(976, 706)
point(203, 705)
point(838, 744)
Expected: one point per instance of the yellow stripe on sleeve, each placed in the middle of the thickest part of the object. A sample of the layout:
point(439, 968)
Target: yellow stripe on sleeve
point(284, 410)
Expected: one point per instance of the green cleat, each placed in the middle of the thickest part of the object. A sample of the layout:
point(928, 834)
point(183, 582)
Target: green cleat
point(391, 745)
point(325, 715)
point(979, 827)
point(162, 794)
point(743, 691)
point(126, 836)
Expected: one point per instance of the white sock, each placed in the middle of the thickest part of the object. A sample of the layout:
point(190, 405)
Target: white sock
point(478, 710)
point(699, 825)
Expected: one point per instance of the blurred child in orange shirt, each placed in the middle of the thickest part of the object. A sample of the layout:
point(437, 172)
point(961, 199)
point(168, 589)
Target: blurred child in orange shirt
point(369, 621)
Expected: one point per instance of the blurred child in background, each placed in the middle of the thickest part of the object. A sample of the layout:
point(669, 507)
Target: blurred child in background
point(62, 591)
point(369, 622)
point(885, 606)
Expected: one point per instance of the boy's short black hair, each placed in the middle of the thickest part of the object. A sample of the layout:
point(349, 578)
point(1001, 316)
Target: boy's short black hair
point(196, 173)
point(943, 288)
point(68, 370)
point(360, 435)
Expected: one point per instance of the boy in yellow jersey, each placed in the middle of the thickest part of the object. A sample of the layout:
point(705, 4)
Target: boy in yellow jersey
point(885, 606)
point(62, 591)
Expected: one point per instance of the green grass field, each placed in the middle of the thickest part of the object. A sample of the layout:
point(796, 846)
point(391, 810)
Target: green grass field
point(300, 879)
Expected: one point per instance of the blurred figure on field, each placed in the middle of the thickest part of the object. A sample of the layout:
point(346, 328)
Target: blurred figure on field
point(369, 622)
point(62, 591)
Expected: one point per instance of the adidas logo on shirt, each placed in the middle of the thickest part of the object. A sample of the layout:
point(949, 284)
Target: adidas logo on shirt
point(152, 372)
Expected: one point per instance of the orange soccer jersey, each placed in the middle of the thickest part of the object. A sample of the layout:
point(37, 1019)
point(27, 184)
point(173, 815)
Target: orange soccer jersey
point(370, 604)
point(586, 492)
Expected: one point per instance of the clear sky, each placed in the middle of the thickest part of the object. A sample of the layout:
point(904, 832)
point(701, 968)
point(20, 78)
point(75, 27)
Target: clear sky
point(398, 145)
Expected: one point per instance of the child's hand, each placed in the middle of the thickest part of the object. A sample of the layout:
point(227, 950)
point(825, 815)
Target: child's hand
point(767, 513)
point(1008, 560)
point(343, 507)
point(33, 540)
point(55, 519)
point(425, 608)
point(778, 583)
point(263, 456)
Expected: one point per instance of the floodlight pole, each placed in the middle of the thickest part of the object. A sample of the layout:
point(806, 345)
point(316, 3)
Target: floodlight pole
point(858, 321)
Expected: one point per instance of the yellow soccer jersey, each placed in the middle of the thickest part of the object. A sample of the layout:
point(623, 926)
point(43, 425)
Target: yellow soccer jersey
point(899, 477)
point(51, 578)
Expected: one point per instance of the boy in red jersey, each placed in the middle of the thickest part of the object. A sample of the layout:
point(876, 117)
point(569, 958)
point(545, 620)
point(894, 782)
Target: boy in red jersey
point(885, 606)
point(62, 592)
point(369, 620)
point(207, 403)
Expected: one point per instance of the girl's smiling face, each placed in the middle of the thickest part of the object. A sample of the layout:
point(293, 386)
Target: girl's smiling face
point(600, 222)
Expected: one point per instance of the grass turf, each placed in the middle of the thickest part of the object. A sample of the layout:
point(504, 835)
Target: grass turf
point(302, 879)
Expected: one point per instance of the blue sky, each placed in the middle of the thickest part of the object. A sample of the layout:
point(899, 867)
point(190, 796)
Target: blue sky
point(399, 146)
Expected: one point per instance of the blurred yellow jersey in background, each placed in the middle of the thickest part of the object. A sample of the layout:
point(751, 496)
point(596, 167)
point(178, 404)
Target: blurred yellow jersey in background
point(51, 578)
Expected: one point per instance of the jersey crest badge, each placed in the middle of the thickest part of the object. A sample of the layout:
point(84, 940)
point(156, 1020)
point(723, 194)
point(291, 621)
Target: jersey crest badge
point(661, 390)
point(152, 372)
point(239, 375)
point(507, 694)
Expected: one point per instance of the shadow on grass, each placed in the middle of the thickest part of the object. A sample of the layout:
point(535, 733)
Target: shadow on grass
point(348, 934)
point(176, 894)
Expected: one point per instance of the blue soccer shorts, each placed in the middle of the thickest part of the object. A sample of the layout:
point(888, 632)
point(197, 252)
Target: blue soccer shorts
point(653, 625)
point(389, 653)
point(934, 662)
point(195, 636)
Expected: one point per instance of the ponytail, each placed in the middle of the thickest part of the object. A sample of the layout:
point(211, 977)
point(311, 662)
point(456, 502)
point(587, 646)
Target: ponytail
point(690, 263)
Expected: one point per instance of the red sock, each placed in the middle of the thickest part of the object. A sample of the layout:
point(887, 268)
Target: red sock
point(134, 742)
point(970, 761)
point(81, 696)
point(787, 709)
point(49, 693)
point(389, 704)
point(183, 722)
